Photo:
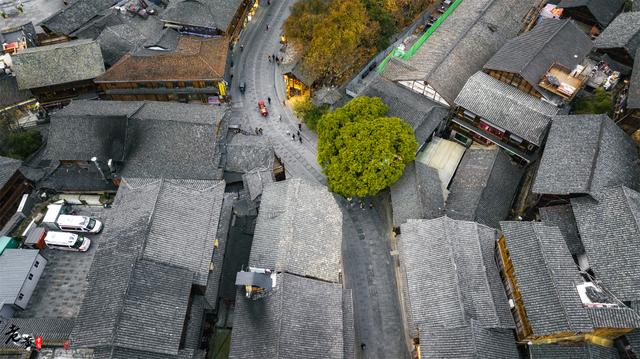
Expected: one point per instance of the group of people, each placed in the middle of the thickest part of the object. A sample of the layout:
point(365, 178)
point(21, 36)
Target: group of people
point(258, 130)
point(293, 136)
point(274, 58)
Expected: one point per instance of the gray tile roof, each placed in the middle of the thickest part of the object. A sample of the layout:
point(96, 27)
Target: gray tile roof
point(417, 194)
point(205, 13)
point(451, 275)
point(547, 278)
point(422, 114)
point(8, 167)
point(153, 139)
point(507, 107)
point(15, 265)
point(11, 95)
point(462, 45)
point(562, 217)
point(585, 351)
point(532, 53)
point(302, 318)
point(184, 225)
point(246, 153)
point(135, 278)
point(623, 32)
point(118, 40)
point(633, 98)
point(154, 310)
point(75, 15)
point(298, 230)
point(609, 229)
point(256, 180)
point(58, 64)
point(213, 290)
point(590, 152)
point(603, 11)
point(484, 186)
point(468, 342)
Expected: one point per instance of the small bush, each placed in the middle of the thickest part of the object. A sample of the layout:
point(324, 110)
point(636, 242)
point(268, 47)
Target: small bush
point(308, 112)
point(597, 103)
point(22, 143)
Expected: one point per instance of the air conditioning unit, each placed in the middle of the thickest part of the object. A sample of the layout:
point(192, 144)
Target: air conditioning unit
point(594, 297)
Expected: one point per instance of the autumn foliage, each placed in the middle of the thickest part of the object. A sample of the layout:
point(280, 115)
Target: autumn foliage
point(339, 36)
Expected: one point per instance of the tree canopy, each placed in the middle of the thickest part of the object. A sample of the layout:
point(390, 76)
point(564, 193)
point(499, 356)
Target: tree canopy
point(339, 36)
point(360, 150)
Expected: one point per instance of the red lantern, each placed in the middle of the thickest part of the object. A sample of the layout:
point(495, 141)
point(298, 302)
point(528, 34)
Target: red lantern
point(66, 345)
point(38, 343)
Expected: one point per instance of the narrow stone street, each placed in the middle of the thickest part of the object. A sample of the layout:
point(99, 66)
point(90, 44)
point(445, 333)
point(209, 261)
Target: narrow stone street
point(263, 80)
point(368, 266)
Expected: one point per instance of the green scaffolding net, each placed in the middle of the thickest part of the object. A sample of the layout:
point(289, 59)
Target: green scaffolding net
point(406, 55)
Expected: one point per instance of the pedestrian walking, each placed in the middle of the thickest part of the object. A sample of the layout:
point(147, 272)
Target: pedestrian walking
point(300, 127)
point(269, 100)
point(284, 102)
point(293, 137)
point(241, 48)
point(267, 27)
point(288, 133)
point(269, 57)
point(300, 138)
point(257, 131)
point(260, 130)
point(370, 205)
point(280, 118)
point(363, 346)
point(298, 133)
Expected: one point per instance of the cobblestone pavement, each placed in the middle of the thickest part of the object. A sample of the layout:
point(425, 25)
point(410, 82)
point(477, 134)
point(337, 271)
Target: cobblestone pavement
point(369, 272)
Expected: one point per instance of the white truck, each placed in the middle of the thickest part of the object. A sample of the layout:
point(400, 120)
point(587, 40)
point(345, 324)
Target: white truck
point(55, 219)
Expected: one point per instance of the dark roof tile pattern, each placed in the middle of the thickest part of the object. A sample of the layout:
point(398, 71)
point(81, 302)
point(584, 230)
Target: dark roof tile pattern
point(532, 53)
point(131, 281)
point(483, 187)
point(184, 225)
point(301, 318)
point(417, 194)
point(633, 98)
point(212, 293)
point(562, 217)
point(461, 45)
point(468, 342)
point(603, 11)
point(11, 95)
point(246, 153)
point(609, 227)
point(298, 230)
point(547, 278)
point(423, 115)
point(449, 266)
point(590, 152)
point(58, 64)
point(153, 139)
point(204, 13)
point(623, 32)
point(8, 167)
point(507, 107)
point(75, 15)
point(256, 180)
point(155, 307)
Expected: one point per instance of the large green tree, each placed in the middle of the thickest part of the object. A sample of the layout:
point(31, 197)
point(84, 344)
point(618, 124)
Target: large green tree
point(360, 150)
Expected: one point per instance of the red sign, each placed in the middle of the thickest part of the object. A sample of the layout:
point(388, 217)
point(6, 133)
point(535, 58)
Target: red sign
point(66, 345)
point(38, 343)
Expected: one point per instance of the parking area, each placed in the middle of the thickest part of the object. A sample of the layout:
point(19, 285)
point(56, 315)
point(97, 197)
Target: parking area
point(62, 287)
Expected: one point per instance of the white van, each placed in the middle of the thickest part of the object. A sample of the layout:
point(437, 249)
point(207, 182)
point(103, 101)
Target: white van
point(72, 223)
point(67, 241)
